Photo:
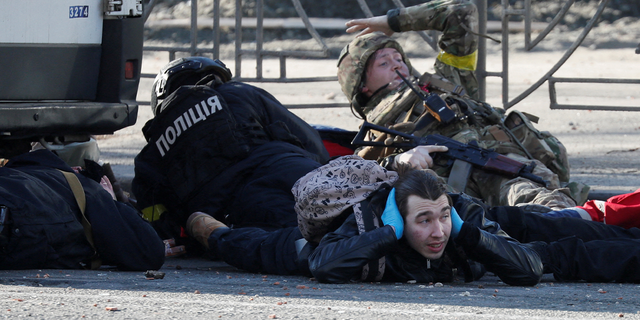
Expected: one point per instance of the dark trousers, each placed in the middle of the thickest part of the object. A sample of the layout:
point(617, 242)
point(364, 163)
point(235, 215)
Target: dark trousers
point(578, 249)
point(262, 221)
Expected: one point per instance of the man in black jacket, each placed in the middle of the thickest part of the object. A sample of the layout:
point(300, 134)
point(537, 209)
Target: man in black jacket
point(415, 235)
point(221, 159)
point(40, 220)
point(420, 225)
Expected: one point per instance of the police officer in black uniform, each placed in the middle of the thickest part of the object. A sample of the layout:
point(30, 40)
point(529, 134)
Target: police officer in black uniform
point(220, 162)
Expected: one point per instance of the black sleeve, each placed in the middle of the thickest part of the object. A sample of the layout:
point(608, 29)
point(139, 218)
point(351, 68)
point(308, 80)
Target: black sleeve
point(122, 238)
point(392, 19)
point(148, 182)
point(341, 254)
point(485, 242)
point(512, 262)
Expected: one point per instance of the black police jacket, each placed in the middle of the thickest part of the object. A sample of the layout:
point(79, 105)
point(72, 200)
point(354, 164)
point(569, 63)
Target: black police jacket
point(205, 141)
point(342, 254)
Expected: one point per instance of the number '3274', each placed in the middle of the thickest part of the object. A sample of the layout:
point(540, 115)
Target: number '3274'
point(78, 12)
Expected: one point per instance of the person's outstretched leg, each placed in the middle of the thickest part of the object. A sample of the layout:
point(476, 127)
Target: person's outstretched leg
point(527, 226)
point(262, 223)
point(572, 259)
point(251, 249)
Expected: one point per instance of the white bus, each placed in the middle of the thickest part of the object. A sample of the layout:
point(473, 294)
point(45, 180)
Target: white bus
point(69, 67)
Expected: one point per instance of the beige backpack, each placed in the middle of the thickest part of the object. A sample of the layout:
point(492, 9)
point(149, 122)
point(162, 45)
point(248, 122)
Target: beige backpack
point(326, 192)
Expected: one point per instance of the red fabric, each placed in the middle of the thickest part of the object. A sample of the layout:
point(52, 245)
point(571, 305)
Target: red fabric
point(621, 210)
point(183, 233)
point(336, 149)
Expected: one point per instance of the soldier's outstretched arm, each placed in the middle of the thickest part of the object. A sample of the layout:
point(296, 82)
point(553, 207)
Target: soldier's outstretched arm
point(369, 25)
point(457, 19)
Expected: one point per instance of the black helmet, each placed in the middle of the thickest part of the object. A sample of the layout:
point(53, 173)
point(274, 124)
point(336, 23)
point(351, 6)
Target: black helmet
point(185, 71)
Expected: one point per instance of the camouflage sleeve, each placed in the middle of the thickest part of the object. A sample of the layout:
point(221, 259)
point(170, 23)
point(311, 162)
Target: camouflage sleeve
point(455, 18)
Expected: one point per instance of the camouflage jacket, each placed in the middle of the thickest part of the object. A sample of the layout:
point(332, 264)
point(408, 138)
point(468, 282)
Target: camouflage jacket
point(457, 19)
point(476, 121)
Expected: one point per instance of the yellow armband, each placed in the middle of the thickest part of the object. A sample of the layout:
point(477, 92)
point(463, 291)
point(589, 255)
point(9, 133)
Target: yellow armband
point(467, 62)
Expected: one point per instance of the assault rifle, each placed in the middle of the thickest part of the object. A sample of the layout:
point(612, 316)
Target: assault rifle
point(469, 154)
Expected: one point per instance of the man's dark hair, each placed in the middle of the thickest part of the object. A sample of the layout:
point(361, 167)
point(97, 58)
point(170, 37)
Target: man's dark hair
point(422, 183)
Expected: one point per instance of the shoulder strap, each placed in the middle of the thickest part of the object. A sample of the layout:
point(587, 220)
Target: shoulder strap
point(357, 107)
point(78, 193)
point(441, 83)
point(367, 221)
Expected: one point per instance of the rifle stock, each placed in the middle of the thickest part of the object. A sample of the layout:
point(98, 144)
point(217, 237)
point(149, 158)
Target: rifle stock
point(485, 159)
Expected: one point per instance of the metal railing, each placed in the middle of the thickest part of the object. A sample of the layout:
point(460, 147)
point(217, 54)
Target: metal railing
point(259, 52)
point(507, 13)
point(430, 38)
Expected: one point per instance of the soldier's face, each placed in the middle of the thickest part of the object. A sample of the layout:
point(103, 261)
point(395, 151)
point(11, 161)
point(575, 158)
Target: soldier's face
point(427, 225)
point(381, 71)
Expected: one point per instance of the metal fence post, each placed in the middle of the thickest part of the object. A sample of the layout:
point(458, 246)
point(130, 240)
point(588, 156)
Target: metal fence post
point(481, 69)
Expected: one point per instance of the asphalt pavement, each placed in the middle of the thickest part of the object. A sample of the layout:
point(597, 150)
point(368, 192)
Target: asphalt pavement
point(202, 289)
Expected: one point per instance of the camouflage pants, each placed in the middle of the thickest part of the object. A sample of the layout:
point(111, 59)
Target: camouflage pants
point(497, 190)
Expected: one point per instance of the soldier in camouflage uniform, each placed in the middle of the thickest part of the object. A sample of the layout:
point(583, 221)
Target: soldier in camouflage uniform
point(366, 72)
point(458, 22)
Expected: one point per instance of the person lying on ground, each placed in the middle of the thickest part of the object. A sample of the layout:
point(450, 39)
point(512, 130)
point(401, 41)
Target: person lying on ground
point(220, 162)
point(54, 218)
point(424, 233)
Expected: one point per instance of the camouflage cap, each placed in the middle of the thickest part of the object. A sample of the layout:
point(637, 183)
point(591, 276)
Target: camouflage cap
point(353, 59)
